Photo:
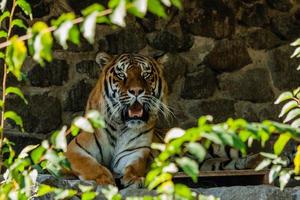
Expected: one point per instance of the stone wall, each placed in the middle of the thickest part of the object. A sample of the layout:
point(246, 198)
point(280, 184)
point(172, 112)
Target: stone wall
point(227, 58)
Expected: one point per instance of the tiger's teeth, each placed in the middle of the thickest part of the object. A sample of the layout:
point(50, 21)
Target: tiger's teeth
point(135, 113)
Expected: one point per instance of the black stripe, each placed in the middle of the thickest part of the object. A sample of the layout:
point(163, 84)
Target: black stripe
point(132, 149)
point(139, 135)
point(106, 88)
point(159, 136)
point(112, 139)
point(159, 86)
point(111, 127)
point(99, 146)
point(78, 144)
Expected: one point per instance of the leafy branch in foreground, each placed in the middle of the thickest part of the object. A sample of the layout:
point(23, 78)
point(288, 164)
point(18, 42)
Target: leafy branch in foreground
point(185, 149)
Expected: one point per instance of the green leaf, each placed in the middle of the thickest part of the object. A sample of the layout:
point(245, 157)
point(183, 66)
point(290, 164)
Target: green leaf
point(173, 134)
point(74, 130)
point(37, 154)
point(171, 168)
point(292, 114)
point(74, 35)
point(281, 142)
point(4, 16)
point(296, 91)
point(95, 118)
point(25, 7)
point(92, 8)
point(274, 172)
point(83, 124)
point(64, 194)
point(189, 166)
point(59, 140)
point(287, 107)
point(89, 26)
point(15, 56)
point(15, 117)
point(2, 55)
point(183, 192)
point(268, 155)
point(296, 43)
point(113, 3)
point(24, 152)
point(197, 150)
point(177, 3)
point(159, 179)
point(140, 8)
point(62, 18)
point(296, 52)
point(283, 97)
point(152, 174)
point(89, 195)
point(19, 23)
point(41, 43)
point(263, 164)
point(85, 188)
point(1, 104)
point(119, 14)
point(62, 33)
point(3, 34)
point(17, 91)
point(156, 8)
point(284, 178)
point(296, 123)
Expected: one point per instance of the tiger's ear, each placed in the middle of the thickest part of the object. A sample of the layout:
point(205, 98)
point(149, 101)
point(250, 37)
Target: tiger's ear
point(103, 59)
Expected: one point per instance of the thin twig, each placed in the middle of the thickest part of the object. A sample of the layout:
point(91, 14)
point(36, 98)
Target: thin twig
point(53, 28)
point(4, 81)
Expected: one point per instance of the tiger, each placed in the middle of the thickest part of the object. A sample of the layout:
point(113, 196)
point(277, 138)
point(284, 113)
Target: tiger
point(131, 95)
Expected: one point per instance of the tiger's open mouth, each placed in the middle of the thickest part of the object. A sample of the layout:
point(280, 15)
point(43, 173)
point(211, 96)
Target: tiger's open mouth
point(136, 111)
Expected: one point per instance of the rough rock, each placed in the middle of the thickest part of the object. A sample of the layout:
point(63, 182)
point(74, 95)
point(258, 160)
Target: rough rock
point(212, 18)
point(174, 68)
point(220, 109)
point(41, 8)
point(283, 68)
point(129, 40)
point(259, 38)
point(89, 67)
point(84, 46)
point(282, 5)
point(255, 15)
point(285, 26)
point(250, 85)
point(261, 192)
point(195, 56)
point(201, 84)
point(77, 96)
point(247, 111)
point(170, 40)
point(228, 55)
point(78, 6)
point(41, 115)
point(54, 73)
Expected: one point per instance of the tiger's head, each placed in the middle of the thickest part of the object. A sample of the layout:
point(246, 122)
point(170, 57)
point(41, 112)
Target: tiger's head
point(133, 89)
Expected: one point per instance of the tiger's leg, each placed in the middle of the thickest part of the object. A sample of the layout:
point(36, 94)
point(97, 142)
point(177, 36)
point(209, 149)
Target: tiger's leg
point(84, 163)
point(134, 172)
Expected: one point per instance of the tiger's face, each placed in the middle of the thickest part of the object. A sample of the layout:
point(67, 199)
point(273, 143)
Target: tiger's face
point(134, 90)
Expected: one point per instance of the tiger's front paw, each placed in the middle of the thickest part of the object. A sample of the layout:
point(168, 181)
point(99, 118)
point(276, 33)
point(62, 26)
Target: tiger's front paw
point(105, 178)
point(133, 182)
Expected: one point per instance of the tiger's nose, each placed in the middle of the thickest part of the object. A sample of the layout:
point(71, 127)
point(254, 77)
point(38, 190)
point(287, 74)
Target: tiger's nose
point(136, 91)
